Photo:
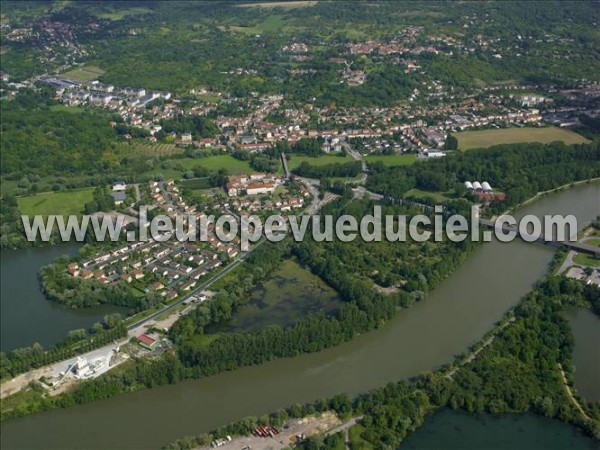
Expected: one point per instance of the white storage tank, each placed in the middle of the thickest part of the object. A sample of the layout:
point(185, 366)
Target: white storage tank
point(486, 186)
point(477, 185)
point(469, 185)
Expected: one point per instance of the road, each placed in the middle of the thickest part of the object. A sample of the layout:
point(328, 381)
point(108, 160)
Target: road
point(345, 428)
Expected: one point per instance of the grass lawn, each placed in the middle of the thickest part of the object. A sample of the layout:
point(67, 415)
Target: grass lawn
point(586, 260)
point(232, 165)
point(62, 203)
point(595, 242)
point(487, 138)
point(418, 193)
point(85, 73)
point(296, 160)
point(393, 160)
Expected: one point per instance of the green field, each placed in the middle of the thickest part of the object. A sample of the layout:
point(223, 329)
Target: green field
point(586, 260)
point(393, 160)
point(487, 138)
point(181, 165)
point(86, 73)
point(418, 193)
point(232, 165)
point(296, 160)
point(61, 203)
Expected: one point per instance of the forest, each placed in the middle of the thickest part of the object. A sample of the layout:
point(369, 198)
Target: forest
point(39, 141)
point(349, 169)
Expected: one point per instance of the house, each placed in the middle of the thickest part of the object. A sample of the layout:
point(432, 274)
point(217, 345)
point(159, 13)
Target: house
point(118, 186)
point(186, 138)
point(247, 139)
point(147, 342)
point(171, 294)
point(119, 197)
point(260, 188)
point(157, 286)
point(86, 274)
point(73, 269)
point(127, 277)
point(188, 285)
point(137, 274)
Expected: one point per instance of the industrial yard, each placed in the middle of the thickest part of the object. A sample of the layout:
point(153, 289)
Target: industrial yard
point(286, 436)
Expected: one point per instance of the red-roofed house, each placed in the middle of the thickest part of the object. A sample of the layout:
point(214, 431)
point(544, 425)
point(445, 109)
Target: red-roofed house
point(147, 342)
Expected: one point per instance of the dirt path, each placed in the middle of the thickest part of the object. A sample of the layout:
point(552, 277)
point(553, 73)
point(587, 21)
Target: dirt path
point(570, 393)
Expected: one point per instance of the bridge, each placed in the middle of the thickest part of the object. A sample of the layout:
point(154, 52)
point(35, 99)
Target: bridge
point(580, 247)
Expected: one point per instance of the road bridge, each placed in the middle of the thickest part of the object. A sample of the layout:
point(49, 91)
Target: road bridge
point(580, 247)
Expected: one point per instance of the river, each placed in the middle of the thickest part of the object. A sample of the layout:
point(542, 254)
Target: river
point(26, 315)
point(423, 337)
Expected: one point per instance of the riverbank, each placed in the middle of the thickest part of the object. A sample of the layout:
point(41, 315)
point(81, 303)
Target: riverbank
point(542, 194)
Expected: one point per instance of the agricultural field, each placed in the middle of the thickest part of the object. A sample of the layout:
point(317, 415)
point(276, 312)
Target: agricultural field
point(296, 160)
point(61, 203)
point(146, 148)
point(393, 160)
point(487, 138)
point(85, 73)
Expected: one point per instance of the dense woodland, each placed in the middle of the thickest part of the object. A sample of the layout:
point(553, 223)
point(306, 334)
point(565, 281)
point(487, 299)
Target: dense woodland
point(348, 169)
point(39, 141)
